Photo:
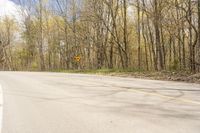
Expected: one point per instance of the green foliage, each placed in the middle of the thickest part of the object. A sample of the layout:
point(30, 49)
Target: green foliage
point(101, 71)
point(174, 66)
point(34, 66)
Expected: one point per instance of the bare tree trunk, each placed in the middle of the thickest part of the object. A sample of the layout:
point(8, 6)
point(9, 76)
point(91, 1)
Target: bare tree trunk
point(139, 35)
point(198, 46)
point(157, 34)
point(41, 39)
point(125, 34)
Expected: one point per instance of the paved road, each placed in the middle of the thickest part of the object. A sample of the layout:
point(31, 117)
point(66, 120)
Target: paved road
point(75, 103)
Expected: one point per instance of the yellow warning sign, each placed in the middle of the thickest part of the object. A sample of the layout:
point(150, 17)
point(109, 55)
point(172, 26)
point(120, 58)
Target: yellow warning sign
point(77, 58)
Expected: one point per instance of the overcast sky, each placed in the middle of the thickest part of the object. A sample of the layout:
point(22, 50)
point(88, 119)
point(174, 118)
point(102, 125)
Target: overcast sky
point(9, 8)
point(12, 8)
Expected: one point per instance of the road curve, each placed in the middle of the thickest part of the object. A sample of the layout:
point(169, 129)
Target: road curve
point(77, 103)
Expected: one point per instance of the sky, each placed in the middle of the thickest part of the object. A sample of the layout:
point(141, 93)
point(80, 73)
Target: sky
point(9, 8)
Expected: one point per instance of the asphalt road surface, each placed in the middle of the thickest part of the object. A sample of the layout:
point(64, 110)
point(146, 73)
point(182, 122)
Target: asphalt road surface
point(76, 103)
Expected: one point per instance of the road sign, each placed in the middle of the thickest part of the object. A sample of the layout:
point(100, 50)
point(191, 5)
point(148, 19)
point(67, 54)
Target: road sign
point(77, 58)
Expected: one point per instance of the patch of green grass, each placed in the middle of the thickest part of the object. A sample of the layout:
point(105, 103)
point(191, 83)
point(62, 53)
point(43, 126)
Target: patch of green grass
point(100, 71)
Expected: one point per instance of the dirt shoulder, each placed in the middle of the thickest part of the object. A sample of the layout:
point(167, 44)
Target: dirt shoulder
point(164, 75)
point(182, 77)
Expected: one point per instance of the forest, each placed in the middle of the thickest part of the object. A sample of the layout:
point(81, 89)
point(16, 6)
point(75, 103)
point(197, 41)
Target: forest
point(144, 35)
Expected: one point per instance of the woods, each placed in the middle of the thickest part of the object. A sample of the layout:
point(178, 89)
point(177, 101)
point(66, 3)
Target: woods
point(144, 35)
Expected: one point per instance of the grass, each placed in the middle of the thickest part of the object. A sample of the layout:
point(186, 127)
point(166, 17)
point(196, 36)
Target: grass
point(100, 71)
